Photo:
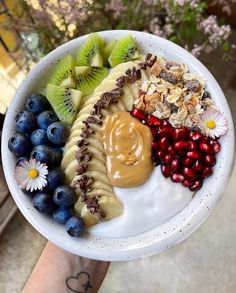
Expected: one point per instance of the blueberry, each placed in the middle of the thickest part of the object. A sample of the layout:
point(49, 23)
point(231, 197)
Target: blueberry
point(61, 215)
point(55, 178)
point(25, 122)
point(58, 156)
point(44, 154)
point(37, 103)
point(74, 226)
point(46, 118)
point(21, 159)
point(43, 202)
point(64, 196)
point(19, 144)
point(39, 136)
point(58, 133)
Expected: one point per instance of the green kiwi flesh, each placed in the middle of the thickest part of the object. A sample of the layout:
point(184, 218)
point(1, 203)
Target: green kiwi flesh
point(107, 51)
point(88, 78)
point(124, 50)
point(63, 73)
point(64, 101)
point(90, 52)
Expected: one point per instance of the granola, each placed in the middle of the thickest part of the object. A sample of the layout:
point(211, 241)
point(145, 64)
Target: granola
point(173, 93)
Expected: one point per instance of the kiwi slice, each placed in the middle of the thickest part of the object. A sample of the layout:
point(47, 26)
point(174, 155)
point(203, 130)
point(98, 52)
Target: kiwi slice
point(63, 73)
point(91, 51)
point(124, 50)
point(107, 51)
point(64, 101)
point(88, 78)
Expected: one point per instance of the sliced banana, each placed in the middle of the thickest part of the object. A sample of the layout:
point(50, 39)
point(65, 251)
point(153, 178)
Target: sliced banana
point(101, 185)
point(99, 176)
point(70, 171)
point(110, 207)
point(98, 165)
point(101, 192)
point(69, 156)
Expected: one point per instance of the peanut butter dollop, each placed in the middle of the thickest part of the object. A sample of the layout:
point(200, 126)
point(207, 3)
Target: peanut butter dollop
point(127, 143)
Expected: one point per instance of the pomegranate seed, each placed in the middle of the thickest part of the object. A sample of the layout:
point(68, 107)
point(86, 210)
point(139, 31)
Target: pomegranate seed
point(164, 143)
point(215, 145)
point(165, 131)
point(165, 170)
point(168, 159)
point(153, 121)
point(187, 183)
point(197, 184)
point(194, 155)
point(192, 146)
point(187, 162)
point(206, 148)
point(189, 173)
point(180, 133)
point(154, 145)
point(210, 160)
point(160, 154)
point(153, 131)
point(197, 166)
point(177, 177)
point(180, 145)
point(171, 150)
point(175, 165)
point(205, 139)
point(195, 135)
point(165, 123)
point(206, 172)
point(138, 114)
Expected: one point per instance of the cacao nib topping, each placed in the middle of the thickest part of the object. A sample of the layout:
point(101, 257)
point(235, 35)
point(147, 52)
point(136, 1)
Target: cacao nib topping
point(82, 142)
point(84, 183)
point(86, 131)
point(92, 204)
point(132, 75)
point(94, 120)
point(96, 110)
point(120, 82)
point(168, 77)
point(206, 95)
point(193, 86)
point(82, 168)
point(83, 156)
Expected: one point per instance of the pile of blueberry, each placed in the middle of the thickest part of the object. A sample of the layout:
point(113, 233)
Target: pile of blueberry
point(41, 136)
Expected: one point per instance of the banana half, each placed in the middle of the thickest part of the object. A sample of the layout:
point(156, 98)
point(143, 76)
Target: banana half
point(100, 193)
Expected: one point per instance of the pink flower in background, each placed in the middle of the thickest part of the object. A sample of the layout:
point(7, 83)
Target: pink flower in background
point(216, 33)
point(116, 6)
point(197, 49)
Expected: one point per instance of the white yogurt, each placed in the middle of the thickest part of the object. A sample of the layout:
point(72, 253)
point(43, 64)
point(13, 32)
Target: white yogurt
point(145, 206)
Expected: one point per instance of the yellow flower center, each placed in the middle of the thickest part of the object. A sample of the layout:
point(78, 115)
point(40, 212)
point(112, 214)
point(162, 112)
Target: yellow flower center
point(210, 124)
point(33, 173)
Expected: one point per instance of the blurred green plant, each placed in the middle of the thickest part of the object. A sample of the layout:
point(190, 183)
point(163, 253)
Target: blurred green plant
point(45, 25)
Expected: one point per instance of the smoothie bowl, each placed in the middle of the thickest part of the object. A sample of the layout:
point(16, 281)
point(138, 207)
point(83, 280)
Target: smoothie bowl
point(118, 145)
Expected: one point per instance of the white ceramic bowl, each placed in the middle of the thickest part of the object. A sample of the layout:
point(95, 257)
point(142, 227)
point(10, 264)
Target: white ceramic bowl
point(161, 237)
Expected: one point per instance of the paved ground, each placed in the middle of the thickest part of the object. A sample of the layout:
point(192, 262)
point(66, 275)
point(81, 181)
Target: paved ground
point(205, 262)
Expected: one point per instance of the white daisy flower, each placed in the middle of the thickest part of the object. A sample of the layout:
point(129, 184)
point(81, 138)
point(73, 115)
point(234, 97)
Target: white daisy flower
point(31, 175)
point(212, 123)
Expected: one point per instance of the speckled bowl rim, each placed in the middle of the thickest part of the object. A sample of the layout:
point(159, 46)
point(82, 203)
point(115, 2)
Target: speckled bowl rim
point(162, 236)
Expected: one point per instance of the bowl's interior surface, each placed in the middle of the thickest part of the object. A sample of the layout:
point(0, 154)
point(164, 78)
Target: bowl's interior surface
point(162, 236)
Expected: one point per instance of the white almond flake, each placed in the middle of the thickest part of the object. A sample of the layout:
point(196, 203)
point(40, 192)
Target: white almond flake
point(172, 98)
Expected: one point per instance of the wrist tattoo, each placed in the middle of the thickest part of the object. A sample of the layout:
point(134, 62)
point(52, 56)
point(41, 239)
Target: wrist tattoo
point(79, 283)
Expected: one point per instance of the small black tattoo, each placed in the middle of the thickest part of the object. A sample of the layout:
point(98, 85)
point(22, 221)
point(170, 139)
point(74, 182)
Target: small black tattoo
point(82, 279)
